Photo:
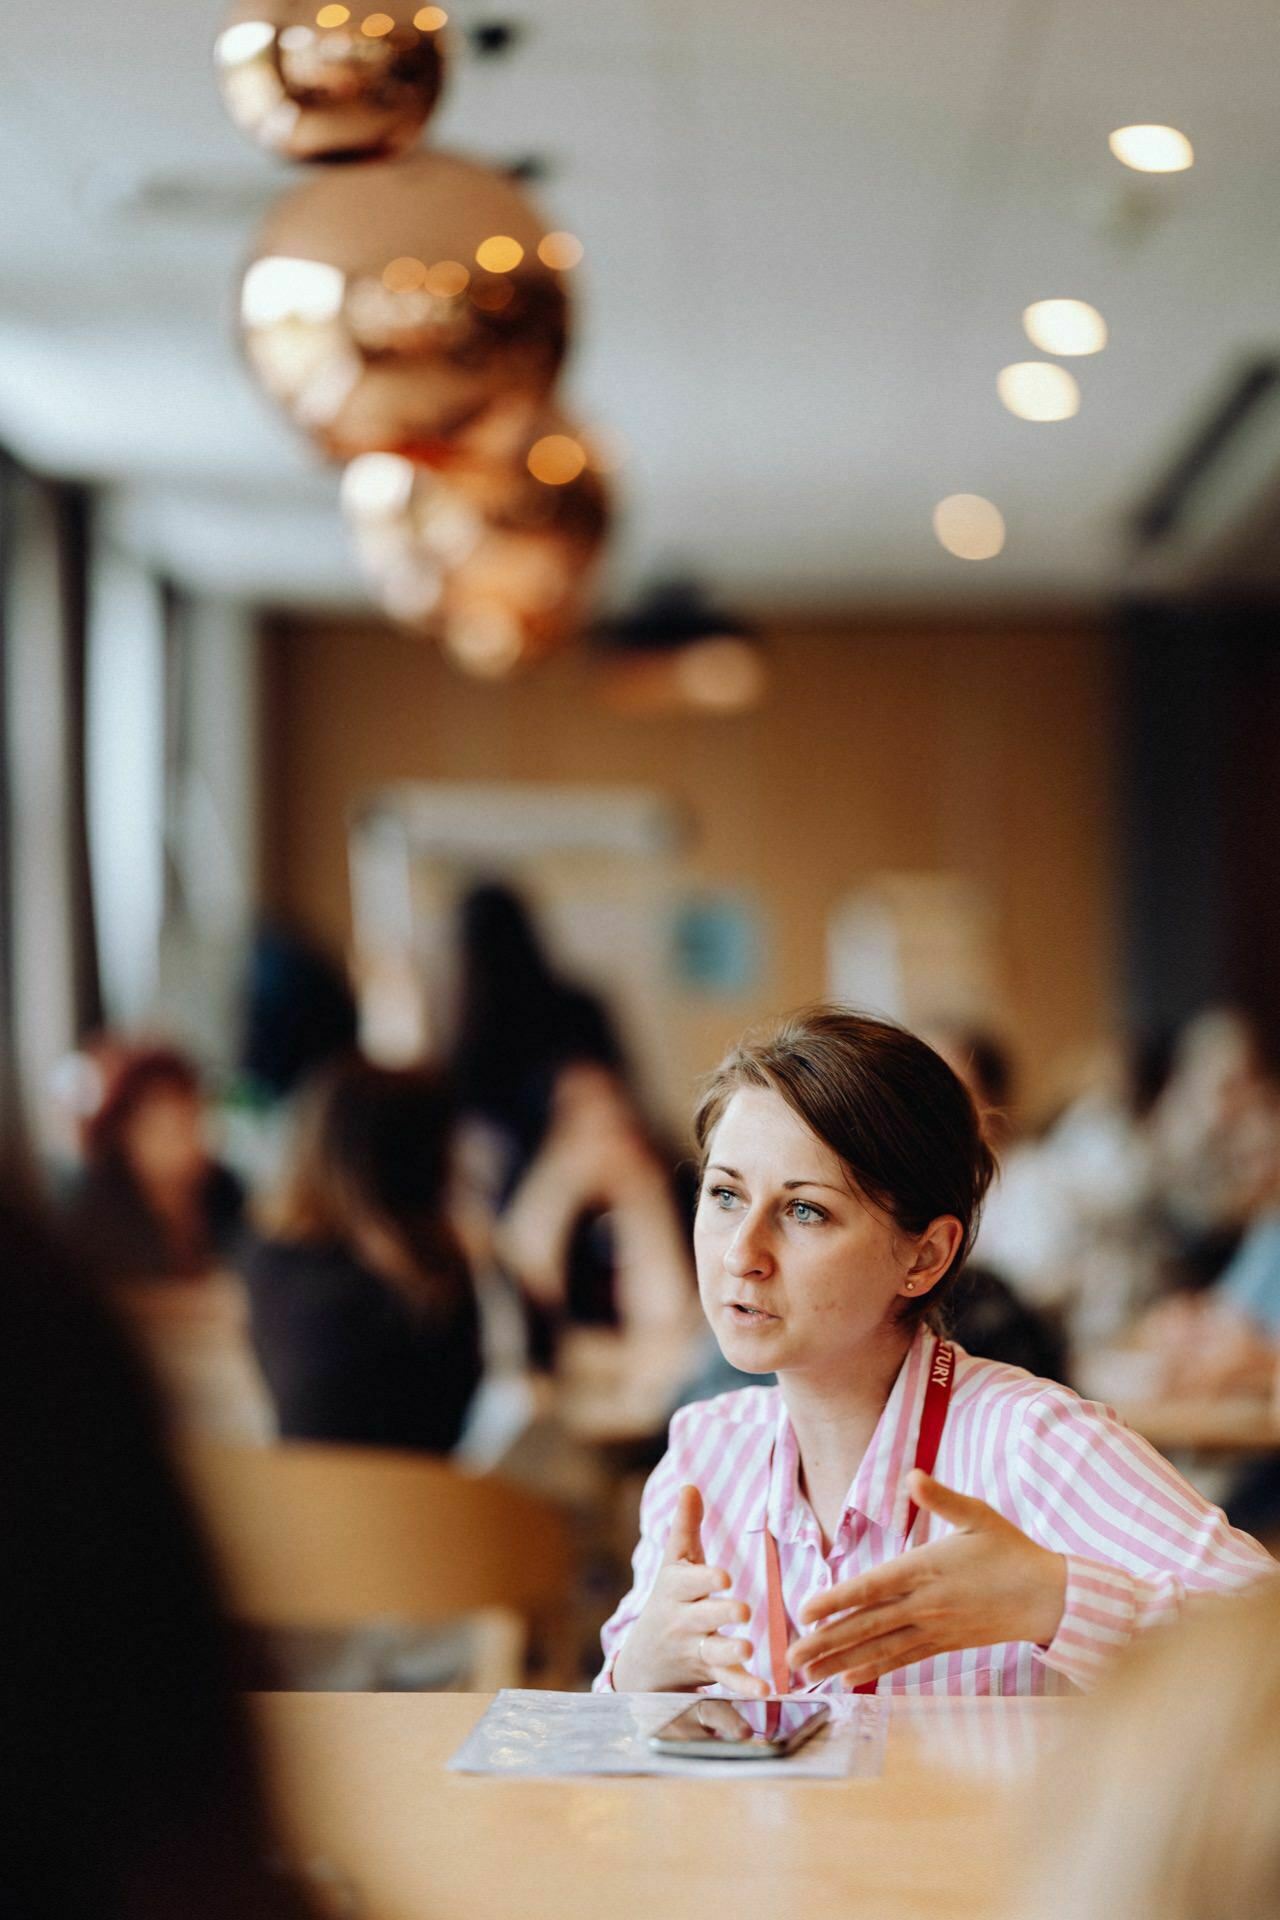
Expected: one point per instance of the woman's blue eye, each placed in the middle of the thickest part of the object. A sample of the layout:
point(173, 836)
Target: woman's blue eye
point(723, 1196)
point(807, 1214)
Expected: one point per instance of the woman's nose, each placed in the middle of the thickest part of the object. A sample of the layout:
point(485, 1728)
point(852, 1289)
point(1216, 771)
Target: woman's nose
point(748, 1251)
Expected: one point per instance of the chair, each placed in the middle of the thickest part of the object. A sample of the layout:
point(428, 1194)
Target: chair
point(325, 1539)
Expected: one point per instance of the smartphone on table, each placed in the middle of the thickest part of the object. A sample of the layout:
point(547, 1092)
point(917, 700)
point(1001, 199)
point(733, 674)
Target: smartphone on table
point(718, 1729)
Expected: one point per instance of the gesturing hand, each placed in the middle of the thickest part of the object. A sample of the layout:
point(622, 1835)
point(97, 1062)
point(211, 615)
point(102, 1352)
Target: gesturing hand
point(985, 1583)
point(675, 1641)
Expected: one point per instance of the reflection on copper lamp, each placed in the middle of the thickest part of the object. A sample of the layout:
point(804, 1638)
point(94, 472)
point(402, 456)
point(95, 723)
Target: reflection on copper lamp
point(391, 307)
point(313, 82)
point(494, 559)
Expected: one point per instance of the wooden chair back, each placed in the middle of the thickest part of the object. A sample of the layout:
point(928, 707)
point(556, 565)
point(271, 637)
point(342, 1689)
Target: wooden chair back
point(327, 1537)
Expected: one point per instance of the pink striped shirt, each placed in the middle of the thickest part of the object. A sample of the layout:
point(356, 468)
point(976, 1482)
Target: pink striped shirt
point(1137, 1538)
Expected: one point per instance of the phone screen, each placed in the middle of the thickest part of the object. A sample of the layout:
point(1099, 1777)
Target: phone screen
point(741, 1729)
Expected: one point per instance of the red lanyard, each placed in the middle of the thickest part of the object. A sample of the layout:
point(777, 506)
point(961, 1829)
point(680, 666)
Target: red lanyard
point(933, 1418)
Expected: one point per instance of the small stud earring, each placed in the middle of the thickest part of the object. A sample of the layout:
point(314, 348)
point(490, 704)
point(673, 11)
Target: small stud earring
point(911, 1286)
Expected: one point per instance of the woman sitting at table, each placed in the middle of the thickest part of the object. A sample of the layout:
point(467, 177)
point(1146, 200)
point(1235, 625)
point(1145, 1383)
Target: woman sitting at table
point(894, 1507)
point(363, 1311)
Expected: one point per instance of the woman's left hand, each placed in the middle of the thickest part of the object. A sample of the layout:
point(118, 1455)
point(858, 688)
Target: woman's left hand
point(983, 1584)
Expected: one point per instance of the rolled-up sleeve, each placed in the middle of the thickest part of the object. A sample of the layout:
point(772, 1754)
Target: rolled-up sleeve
point(1138, 1540)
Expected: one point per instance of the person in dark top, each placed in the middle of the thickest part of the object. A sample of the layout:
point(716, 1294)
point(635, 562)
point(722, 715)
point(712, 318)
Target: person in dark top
point(133, 1789)
point(152, 1203)
point(362, 1309)
point(519, 1024)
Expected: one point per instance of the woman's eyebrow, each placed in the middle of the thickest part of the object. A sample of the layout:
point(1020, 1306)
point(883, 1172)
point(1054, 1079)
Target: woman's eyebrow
point(718, 1166)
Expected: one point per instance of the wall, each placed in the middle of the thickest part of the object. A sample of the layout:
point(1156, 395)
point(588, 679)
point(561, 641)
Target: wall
point(985, 752)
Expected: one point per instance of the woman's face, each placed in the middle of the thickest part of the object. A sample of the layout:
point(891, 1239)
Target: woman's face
point(795, 1271)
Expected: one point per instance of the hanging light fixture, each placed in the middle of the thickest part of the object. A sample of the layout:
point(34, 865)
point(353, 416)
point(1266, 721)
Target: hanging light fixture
point(678, 651)
point(312, 82)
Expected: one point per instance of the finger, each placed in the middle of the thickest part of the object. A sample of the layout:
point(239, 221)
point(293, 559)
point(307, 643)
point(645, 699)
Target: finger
point(957, 1509)
point(889, 1582)
point(867, 1662)
point(684, 1542)
point(686, 1582)
point(724, 1657)
point(852, 1631)
point(708, 1616)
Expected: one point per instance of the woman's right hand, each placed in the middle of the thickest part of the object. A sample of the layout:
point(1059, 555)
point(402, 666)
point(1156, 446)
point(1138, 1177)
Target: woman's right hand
point(675, 1642)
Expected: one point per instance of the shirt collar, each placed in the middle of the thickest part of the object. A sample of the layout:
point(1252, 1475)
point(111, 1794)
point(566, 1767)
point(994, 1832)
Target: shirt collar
point(879, 1490)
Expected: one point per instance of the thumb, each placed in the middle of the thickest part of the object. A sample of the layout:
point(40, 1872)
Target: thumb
point(957, 1509)
point(684, 1542)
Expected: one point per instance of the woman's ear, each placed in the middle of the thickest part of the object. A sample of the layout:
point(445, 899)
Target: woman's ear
point(932, 1255)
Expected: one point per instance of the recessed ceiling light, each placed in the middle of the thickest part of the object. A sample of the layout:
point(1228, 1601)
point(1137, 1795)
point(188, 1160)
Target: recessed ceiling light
point(969, 527)
point(1065, 326)
point(1152, 149)
point(1036, 390)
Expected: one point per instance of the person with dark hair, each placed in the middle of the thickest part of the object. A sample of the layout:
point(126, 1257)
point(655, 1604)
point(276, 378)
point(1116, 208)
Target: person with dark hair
point(132, 1790)
point(362, 1308)
point(519, 1023)
point(895, 1509)
point(152, 1203)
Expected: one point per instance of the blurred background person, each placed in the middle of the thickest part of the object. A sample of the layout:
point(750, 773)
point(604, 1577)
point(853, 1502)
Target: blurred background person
point(596, 1232)
point(363, 1311)
point(150, 1201)
point(1165, 1805)
point(1215, 1138)
point(519, 1023)
point(133, 1789)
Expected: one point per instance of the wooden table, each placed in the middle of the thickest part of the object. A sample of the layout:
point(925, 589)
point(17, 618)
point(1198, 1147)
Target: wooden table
point(1192, 1424)
point(361, 1785)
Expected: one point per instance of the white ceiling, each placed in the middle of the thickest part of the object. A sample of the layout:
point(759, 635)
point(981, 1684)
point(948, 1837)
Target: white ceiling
point(811, 230)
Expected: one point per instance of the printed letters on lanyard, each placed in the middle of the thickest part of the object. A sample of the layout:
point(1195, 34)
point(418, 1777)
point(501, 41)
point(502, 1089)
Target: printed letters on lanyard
point(933, 1417)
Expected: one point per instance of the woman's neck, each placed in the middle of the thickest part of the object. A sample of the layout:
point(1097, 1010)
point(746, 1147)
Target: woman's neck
point(835, 1418)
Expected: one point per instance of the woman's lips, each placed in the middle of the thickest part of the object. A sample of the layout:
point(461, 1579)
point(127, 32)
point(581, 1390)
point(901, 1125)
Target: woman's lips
point(748, 1316)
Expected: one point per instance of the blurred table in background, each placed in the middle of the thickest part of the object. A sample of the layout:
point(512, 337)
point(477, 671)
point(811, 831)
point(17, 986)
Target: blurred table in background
point(368, 1808)
point(1202, 1424)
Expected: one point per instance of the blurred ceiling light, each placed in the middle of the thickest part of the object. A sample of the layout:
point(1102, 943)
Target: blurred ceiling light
point(969, 527)
point(1150, 149)
point(245, 41)
point(430, 19)
point(447, 279)
point(1065, 326)
point(724, 674)
point(375, 484)
point(404, 274)
point(556, 459)
point(277, 288)
point(376, 26)
point(1037, 390)
point(561, 251)
point(499, 253)
point(333, 16)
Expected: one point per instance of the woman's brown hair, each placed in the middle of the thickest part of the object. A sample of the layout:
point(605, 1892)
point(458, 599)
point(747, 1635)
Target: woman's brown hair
point(899, 1119)
point(370, 1171)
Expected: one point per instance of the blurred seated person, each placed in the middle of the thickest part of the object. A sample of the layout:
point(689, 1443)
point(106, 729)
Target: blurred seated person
point(362, 1308)
point(1163, 1803)
point(132, 1787)
point(1071, 1221)
point(519, 1022)
point(151, 1202)
point(595, 1233)
point(1215, 1138)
